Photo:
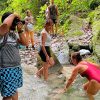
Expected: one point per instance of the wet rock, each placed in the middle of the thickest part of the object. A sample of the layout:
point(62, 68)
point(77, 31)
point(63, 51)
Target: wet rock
point(84, 52)
point(61, 50)
point(81, 42)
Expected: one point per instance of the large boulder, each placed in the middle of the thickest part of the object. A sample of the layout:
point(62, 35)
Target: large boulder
point(96, 38)
point(76, 37)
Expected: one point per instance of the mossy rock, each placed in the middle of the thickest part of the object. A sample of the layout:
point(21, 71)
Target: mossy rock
point(77, 47)
point(93, 58)
point(97, 50)
point(74, 28)
point(73, 46)
point(96, 38)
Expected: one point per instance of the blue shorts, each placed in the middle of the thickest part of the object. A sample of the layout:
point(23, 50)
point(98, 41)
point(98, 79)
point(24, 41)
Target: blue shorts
point(10, 80)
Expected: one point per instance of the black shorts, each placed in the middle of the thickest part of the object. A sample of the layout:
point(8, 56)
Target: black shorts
point(42, 55)
point(54, 21)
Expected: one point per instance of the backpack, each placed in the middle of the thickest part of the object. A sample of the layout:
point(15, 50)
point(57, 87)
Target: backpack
point(9, 54)
point(53, 11)
point(4, 41)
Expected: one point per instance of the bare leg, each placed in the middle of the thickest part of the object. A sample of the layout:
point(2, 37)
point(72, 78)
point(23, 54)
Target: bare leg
point(92, 87)
point(86, 85)
point(7, 98)
point(44, 70)
point(40, 72)
point(90, 96)
point(52, 29)
point(32, 37)
point(15, 97)
point(46, 66)
point(56, 26)
point(27, 35)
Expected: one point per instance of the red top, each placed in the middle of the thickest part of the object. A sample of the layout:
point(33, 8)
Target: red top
point(92, 72)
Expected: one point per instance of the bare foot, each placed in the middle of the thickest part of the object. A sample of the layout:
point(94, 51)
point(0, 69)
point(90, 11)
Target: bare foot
point(38, 75)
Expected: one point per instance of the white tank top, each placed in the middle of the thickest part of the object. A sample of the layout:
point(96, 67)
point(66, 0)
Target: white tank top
point(48, 39)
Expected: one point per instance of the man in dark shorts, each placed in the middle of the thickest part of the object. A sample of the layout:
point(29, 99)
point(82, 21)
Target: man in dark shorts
point(53, 16)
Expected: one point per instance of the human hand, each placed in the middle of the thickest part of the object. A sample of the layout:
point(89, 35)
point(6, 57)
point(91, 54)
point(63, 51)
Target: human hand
point(47, 58)
point(19, 26)
point(16, 15)
point(60, 91)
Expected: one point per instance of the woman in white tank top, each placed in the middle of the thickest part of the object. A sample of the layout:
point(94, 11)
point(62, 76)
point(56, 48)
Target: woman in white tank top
point(44, 52)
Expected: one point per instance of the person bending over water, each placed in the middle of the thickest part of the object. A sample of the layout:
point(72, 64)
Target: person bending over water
point(86, 69)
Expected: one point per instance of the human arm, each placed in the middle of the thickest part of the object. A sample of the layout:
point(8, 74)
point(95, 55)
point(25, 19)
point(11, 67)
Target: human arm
point(22, 38)
point(9, 20)
point(72, 78)
point(3, 29)
point(5, 26)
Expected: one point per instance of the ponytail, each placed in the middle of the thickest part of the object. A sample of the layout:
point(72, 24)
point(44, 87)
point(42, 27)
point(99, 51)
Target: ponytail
point(76, 56)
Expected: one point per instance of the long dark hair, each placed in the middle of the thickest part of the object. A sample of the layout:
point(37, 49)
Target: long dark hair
point(77, 56)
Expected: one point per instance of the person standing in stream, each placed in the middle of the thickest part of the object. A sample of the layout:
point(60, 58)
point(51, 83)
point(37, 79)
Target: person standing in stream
point(45, 52)
point(29, 28)
point(10, 63)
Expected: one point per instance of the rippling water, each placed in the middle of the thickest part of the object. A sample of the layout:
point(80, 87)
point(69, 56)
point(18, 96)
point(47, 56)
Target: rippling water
point(37, 89)
point(33, 88)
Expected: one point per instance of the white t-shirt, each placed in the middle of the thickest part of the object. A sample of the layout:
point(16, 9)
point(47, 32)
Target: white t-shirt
point(48, 39)
point(29, 21)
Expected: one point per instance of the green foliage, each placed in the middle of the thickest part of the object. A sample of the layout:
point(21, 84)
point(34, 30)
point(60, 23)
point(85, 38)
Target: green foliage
point(94, 15)
point(93, 59)
point(72, 14)
point(96, 38)
point(66, 8)
point(79, 5)
point(94, 4)
point(20, 6)
point(41, 18)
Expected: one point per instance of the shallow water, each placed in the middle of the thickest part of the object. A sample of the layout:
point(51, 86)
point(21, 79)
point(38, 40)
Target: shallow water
point(33, 88)
point(37, 89)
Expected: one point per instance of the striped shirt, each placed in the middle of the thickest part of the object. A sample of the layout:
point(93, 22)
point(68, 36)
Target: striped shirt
point(9, 54)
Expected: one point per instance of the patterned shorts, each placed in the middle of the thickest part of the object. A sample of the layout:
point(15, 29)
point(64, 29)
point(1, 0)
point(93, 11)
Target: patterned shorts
point(10, 80)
